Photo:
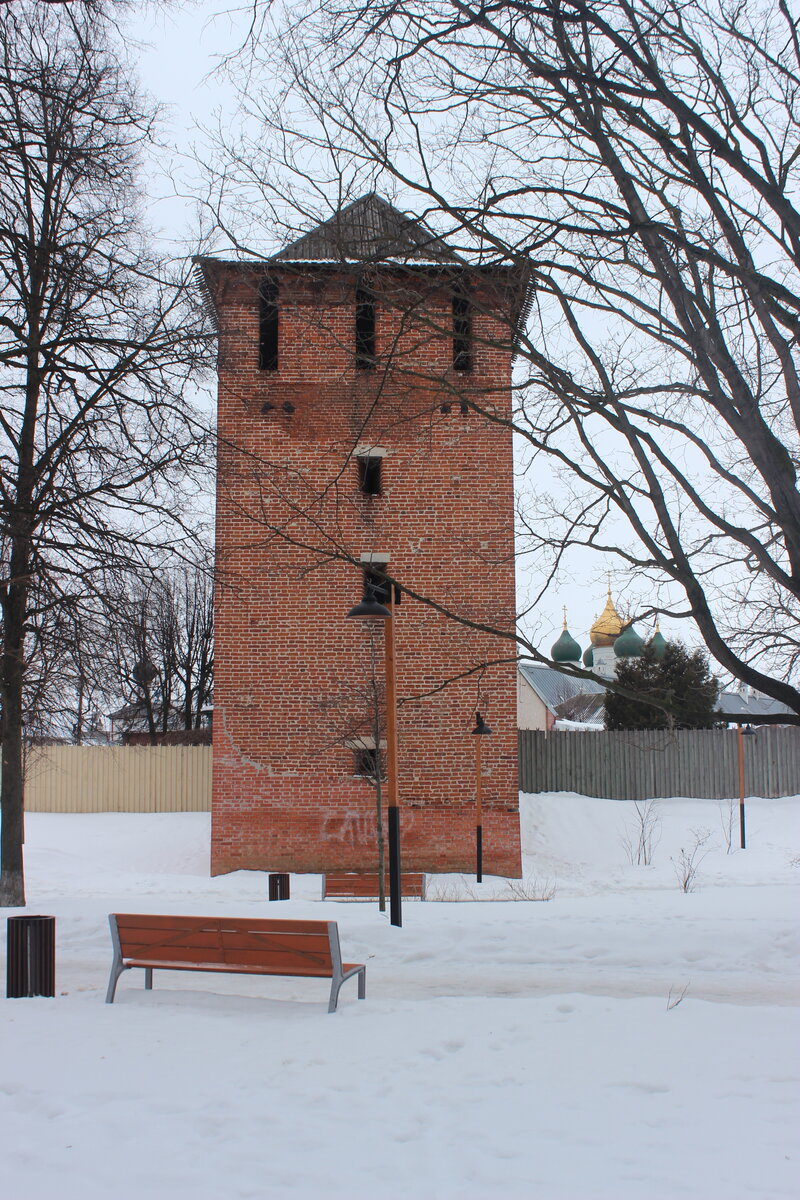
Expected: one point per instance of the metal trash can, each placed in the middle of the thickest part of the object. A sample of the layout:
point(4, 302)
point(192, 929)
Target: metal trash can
point(31, 963)
point(279, 887)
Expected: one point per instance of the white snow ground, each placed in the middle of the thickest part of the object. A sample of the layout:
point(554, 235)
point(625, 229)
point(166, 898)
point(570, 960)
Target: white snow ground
point(510, 1049)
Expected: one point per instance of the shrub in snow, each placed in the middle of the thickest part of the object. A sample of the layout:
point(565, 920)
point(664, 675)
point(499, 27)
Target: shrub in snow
point(641, 840)
point(688, 861)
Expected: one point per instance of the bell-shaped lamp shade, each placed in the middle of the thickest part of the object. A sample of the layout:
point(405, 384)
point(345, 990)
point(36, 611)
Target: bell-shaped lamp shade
point(144, 673)
point(480, 725)
point(370, 608)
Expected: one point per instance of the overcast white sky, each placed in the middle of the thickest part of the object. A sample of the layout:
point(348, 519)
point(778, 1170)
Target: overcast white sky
point(178, 46)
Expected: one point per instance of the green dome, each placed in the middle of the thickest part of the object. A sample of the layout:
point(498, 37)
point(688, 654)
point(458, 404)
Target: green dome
point(588, 657)
point(566, 649)
point(658, 644)
point(628, 644)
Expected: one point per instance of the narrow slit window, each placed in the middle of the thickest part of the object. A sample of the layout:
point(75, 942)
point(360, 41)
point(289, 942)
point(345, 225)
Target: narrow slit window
point(462, 329)
point(376, 585)
point(365, 328)
point(268, 329)
point(369, 475)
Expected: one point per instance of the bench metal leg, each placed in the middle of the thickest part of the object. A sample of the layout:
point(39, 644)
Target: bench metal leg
point(148, 978)
point(116, 970)
point(336, 984)
point(116, 963)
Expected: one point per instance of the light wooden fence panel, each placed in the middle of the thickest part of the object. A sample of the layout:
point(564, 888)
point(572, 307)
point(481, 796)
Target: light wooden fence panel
point(702, 763)
point(72, 779)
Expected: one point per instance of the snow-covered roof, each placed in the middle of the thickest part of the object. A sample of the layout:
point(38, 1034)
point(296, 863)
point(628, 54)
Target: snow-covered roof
point(554, 687)
point(751, 706)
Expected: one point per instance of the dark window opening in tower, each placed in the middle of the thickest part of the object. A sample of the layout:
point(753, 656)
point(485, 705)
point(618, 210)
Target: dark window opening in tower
point(365, 328)
point(462, 329)
point(368, 761)
point(369, 475)
point(268, 327)
point(376, 585)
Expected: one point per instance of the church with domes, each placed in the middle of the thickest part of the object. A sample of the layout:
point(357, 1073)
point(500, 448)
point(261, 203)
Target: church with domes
point(610, 638)
point(549, 699)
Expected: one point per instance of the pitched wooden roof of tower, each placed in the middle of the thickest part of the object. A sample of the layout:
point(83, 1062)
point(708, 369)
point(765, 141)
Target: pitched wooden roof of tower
point(370, 230)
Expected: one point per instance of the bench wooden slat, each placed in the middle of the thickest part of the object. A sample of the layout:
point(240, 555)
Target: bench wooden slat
point(257, 924)
point(215, 939)
point(248, 958)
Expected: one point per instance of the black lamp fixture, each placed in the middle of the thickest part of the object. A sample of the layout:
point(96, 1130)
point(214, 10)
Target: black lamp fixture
point(370, 608)
point(144, 673)
point(481, 729)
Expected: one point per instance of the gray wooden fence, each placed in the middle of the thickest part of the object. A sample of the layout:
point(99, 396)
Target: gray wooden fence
point(635, 766)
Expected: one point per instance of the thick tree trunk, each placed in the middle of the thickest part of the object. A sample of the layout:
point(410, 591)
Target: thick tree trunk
point(12, 773)
point(12, 880)
point(15, 613)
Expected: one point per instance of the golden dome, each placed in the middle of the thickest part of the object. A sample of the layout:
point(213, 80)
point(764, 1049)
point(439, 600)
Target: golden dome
point(608, 625)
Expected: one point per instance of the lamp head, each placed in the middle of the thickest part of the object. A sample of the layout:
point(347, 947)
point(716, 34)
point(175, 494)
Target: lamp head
point(144, 673)
point(370, 609)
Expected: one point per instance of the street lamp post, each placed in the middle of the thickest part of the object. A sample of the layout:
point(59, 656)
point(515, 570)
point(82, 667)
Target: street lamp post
point(740, 736)
point(144, 674)
point(481, 730)
point(372, 609)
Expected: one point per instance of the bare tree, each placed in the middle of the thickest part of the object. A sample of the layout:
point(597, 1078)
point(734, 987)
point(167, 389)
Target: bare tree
point(68, 687)
point(193, 656)
point(162, 632)
point(642, 836)
point(639, 159)
point(95, 348)
point(688, 861)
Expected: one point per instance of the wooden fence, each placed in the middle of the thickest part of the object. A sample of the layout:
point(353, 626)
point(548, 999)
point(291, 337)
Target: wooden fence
point(636, 766)
point(622, 766)
point(118, 779)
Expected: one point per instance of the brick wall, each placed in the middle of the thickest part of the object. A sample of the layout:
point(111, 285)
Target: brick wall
point(292, 674)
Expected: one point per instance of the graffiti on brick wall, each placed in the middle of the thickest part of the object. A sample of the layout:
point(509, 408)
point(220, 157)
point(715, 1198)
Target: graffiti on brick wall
point(354, 827)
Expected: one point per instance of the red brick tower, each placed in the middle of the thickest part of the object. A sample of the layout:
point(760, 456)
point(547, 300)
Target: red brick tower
point(348, 445)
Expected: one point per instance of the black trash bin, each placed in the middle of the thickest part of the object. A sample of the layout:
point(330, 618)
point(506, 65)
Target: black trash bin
point(279, 887)
point(31, 963)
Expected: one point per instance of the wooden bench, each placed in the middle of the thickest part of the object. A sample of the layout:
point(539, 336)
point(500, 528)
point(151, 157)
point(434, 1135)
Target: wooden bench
point(363, 885)
point(232, 945)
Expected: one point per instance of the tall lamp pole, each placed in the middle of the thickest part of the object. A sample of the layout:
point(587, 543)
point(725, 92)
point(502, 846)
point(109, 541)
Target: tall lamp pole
point(740, 736)
point(372, 609)
point(481, 730)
